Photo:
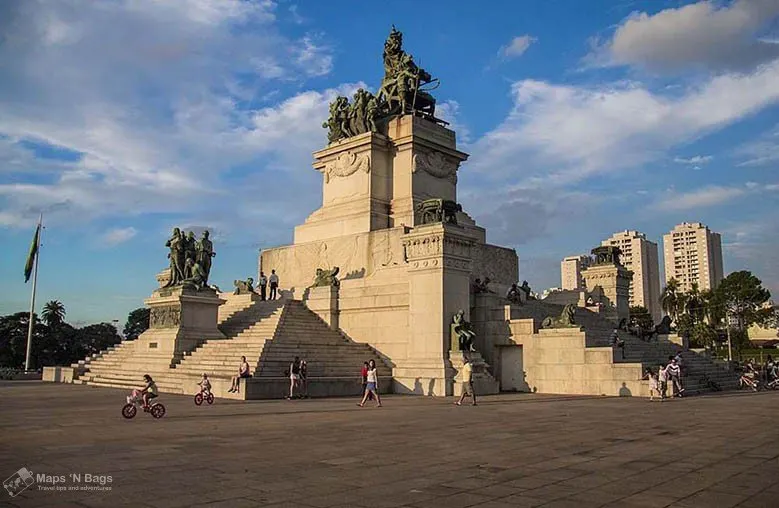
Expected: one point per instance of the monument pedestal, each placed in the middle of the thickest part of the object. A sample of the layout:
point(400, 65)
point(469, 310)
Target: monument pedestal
point(439, 266)
point(180, 320)
point(323, 301)
point(613, 280)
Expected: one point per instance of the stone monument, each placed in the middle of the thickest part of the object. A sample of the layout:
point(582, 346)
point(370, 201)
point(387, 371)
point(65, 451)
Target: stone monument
point(183, 311)
point(609, 278)
point(390, 220)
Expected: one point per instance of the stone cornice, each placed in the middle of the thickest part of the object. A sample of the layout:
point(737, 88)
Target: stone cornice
point(436, 242)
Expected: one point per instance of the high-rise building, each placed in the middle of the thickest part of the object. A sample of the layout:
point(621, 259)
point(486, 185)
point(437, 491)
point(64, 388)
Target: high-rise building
point(571, 271)
point(693, 254)
point(639, 255)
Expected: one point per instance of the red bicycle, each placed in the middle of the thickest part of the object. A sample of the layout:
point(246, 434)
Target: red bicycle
point(201, 396)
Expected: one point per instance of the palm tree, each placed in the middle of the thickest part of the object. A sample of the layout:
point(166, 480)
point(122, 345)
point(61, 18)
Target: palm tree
point(693, 304)
point(670, 299)
point(53, 313)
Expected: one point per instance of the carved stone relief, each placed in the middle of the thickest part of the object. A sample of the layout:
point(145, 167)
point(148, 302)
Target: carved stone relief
point(346, 164)
point(165, 317)
point(436, 164)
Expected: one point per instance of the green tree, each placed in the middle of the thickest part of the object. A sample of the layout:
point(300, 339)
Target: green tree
point(640, 317)
point(670, 299)
point(714, 310)
point(742, 296)
point(13, 338)
point(703, 335)
point(137, 323)
point(95, 338)
point(694, 304)
point(53, 313)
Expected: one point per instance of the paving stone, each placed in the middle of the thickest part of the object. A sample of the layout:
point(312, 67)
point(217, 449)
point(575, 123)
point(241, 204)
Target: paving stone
point(516, 450)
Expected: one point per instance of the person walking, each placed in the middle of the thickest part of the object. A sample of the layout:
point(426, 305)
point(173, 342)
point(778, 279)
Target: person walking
point(263, 286)
point(372, 385)
point(468, 390)
point(662, 377)
point(364, 375)
point(274, 284)
point(294, 376)
point(304, 379)
point(674, 376)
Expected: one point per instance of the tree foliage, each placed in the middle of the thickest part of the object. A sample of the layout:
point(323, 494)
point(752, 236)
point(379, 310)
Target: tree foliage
point(54, 342)
point(53, 313)
point(742, 295)
point(137, 323)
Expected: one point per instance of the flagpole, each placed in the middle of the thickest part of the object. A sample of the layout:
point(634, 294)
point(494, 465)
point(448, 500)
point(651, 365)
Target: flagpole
point(31, 324)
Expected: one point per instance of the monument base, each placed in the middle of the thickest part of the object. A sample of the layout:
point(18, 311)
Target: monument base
point(323, 301)
point(180, 320)
point(423, 377)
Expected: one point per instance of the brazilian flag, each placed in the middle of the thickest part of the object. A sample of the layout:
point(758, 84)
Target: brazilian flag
point(33, 252)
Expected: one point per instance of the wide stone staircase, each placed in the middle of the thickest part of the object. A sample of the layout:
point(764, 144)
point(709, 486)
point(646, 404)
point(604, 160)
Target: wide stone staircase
point(602, 368)
point(269, 334)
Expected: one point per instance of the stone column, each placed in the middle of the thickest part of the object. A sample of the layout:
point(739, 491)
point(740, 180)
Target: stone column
point(323, 301)
point(439, 265)
point(424, 165)
point(356, 190)
point(614, 280)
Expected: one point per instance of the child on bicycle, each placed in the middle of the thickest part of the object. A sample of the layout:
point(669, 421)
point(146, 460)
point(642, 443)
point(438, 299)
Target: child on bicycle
point(205, 385)
point(149, 391)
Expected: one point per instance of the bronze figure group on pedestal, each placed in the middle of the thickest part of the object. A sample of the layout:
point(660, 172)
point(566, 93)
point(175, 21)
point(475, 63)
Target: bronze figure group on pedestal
point(190, 259)
point(402, 92)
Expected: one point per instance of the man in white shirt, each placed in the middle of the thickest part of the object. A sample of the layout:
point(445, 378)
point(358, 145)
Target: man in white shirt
point(263, 286)
point(467, 372)
point(274, 284)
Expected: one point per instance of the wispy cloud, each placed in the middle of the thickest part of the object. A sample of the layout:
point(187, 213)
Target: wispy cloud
point(583, 131)
point(114, 237)
point(694, 160)
point(700, 198)
point(762, 151)
point(517, 46)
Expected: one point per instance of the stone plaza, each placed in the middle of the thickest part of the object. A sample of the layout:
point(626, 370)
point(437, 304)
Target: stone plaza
point(516, 450)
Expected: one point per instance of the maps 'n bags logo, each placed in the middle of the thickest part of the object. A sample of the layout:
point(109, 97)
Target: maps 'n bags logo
point(18, 482)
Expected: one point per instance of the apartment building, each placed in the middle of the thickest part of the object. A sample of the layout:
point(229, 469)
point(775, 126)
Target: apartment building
point(693, 254)
point(571, 271)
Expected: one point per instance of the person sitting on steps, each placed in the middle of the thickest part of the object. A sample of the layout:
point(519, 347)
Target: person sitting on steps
point(243, 371)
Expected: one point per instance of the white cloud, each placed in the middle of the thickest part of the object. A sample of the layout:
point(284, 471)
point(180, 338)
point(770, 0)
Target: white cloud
point(159, 120)
point(700, 198)
point(517, 46)
point(581, 131)
point(116, 236)
point(706, 34)
point(449, 111)
point(694, 160)
point(762, 151)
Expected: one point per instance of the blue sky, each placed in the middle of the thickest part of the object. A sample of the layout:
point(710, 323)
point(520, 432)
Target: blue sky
point(124, 118)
